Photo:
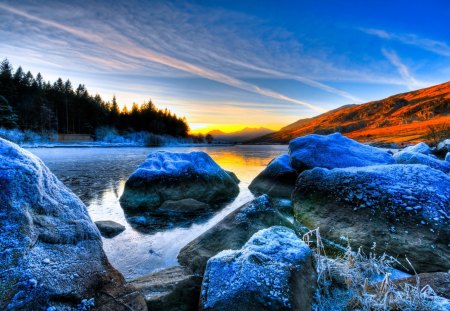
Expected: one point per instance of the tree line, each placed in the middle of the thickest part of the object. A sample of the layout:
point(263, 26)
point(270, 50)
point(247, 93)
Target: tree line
point(28, 102)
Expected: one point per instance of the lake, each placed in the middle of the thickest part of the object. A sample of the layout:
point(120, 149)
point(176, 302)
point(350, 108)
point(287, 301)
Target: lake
point(98, 176)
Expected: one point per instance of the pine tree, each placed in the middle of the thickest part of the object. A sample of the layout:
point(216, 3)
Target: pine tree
point(8, 118)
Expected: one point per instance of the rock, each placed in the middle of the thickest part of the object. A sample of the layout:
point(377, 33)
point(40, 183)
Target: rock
point(443, 147)
point(404, 209)
point(171, 289)
point(50, 250)
point(407, 157)
point(231, 233)
point(109, 228)
point(175, 176)
point(447, 157)
point(277, 179)
point(438, 281)
point(185, 206)
point(421, 147)
point(233, 176)
point(181, 214)
point(273, 271)
point(334, 151)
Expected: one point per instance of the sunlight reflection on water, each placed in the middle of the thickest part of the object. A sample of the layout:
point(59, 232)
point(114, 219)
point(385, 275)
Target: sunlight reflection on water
point(98, 175)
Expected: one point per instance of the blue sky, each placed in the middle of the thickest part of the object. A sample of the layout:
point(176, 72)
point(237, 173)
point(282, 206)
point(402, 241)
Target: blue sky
point(230, 64)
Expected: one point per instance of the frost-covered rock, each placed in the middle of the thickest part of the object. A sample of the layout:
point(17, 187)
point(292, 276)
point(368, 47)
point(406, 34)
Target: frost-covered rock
point(408, 157)
point(443, 147)
point(175, 176)
point(273, 271)
point(277, 179)
point(50, 251)
point(404, 209)
point(419, 148)
point(231, 232)
point(334, 151)
point(109, 228)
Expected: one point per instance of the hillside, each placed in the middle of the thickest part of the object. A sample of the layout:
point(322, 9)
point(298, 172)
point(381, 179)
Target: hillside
point(240, 136)
point(406, 117)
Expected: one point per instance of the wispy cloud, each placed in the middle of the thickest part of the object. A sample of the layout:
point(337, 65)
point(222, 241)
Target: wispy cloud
point(127, 47)
point(437, 47)
point(402, 69)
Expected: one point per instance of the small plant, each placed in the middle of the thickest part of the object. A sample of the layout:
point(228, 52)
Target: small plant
point(344, 283)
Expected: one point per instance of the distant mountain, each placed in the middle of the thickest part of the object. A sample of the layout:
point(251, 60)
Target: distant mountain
point(240, 136)
point(407, 117)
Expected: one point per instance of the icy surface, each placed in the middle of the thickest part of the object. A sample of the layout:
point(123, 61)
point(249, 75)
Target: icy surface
point(163, 163)
point(413, 189)
point(420, 148)
point(447, 157)
point(262, 269)
point(409, 157)
point(334, 151)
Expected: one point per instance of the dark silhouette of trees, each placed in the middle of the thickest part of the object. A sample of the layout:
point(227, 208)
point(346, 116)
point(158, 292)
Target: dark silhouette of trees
point(7, 117)
point(30, 103)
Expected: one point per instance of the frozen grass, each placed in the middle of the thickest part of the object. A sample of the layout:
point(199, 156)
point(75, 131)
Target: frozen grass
point(345, 283)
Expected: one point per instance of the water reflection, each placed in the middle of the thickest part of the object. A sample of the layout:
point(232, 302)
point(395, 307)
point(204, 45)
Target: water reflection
point(98, 175)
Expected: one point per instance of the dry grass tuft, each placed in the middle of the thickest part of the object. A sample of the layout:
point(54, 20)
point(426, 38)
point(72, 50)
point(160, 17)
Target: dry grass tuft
point(344, 283)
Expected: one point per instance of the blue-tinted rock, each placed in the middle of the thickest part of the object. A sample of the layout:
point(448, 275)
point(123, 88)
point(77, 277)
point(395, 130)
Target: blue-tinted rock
point(273, 271)
point(334, 151)
point(50, 250)
point(277, 179)
point(231, 233)
point(408, 157)
point(419, 148)
point(177, 176)
point(404, 209)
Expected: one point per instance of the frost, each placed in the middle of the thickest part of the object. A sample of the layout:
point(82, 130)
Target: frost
point(163, 163)
point(334, 151)
point(408, 157)
point(419, 148)
point(262, 269)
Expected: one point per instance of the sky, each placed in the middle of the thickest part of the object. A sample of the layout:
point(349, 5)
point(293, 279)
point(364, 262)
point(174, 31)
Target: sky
point(232, 64)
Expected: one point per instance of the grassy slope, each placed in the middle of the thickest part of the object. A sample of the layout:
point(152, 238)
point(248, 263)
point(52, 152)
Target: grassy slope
point(405, 117)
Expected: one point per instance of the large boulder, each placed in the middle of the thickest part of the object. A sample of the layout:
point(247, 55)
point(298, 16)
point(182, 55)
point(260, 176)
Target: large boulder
point(334, 151)
point(175, 176)
point(171, 289)
point(408, 157)
point(404, 209)
point(231, 233)
point(277, 179)
point(50, 251)
point(273, 271)
point(419, 148)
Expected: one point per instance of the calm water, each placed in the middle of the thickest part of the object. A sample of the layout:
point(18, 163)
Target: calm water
point(98, 175)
